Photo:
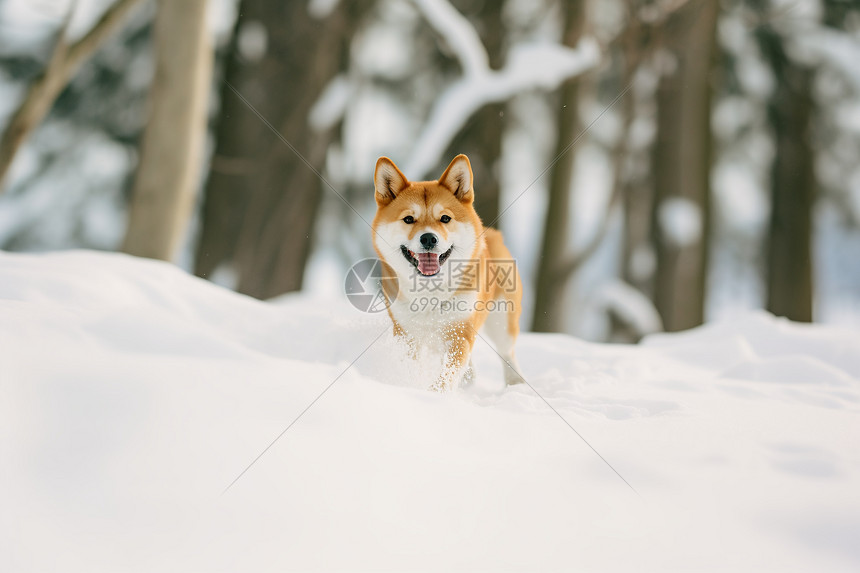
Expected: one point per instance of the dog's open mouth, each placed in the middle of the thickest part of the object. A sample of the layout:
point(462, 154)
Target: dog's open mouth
point(428, 264)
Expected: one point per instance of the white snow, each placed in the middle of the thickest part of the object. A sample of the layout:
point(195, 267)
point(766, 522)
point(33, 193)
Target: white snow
point(680, 221)
point(253, 40)
point(322, 8)
point(742, 203)
point(90, 172)
point(331, 104)
point(838, 50)
point(36, 22)
point(133, 394)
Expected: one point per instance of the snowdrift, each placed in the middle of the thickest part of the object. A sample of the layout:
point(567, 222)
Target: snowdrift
point(133, 395)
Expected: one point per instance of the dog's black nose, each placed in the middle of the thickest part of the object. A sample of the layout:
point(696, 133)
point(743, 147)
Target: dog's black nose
point(429, 240)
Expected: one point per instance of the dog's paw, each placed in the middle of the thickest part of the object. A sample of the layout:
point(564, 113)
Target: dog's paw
point(513, 377)
point(468, 377)
point(440, 386)
point(446, 382)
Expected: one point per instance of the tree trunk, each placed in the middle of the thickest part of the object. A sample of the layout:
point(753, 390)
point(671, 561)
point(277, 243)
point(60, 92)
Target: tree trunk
point(636, 195)
point(261, 197)
point(481, 137)
point(175, 135)
point(636, 191)
point(682, 157)
point(789, 272)
point(549, 289)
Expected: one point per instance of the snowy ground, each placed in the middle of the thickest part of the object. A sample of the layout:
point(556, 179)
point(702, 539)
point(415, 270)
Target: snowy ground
point(132, 395)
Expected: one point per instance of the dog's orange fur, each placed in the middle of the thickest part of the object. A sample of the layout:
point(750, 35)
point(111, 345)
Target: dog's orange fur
point(395, 196)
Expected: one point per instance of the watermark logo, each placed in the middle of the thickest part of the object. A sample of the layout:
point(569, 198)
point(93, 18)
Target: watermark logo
point(366, 284)
point(369, 281)
point(468, 275)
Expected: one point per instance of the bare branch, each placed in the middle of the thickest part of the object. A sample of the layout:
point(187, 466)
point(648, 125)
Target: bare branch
point(65, 61)
point(81, 50)
point(37, 101)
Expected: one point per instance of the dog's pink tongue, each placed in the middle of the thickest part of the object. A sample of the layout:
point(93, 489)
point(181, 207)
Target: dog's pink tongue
point(428, 263)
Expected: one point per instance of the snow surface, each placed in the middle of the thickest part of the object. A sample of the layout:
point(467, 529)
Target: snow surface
point(133, 394)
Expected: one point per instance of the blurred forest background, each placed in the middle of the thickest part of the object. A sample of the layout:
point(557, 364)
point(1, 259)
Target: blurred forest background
point(652, 163)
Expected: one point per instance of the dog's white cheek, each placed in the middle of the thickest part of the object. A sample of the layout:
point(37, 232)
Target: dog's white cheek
point(388, 240)
point(463, 236)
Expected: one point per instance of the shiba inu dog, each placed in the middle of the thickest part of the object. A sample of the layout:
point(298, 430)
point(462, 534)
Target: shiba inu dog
point(454, 276)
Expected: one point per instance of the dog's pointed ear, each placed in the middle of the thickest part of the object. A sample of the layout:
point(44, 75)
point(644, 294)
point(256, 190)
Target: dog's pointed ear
point(458, 178)
point(388, 181)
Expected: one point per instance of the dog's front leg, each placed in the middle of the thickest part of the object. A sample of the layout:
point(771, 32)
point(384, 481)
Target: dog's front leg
point(403, 337)
point(459, 340)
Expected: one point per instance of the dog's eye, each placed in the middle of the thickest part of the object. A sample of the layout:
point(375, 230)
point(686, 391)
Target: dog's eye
point(408, 219)
point(445, 219)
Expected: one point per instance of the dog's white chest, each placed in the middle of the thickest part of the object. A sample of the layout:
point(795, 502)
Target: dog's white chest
point(426, 319)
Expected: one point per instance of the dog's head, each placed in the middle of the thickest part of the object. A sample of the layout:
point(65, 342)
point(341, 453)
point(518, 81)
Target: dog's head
point(421, 225)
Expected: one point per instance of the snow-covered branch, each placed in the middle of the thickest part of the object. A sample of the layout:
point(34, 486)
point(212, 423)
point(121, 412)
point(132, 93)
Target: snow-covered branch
point(458, 33)
point(529, 66)
point(630, 306)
